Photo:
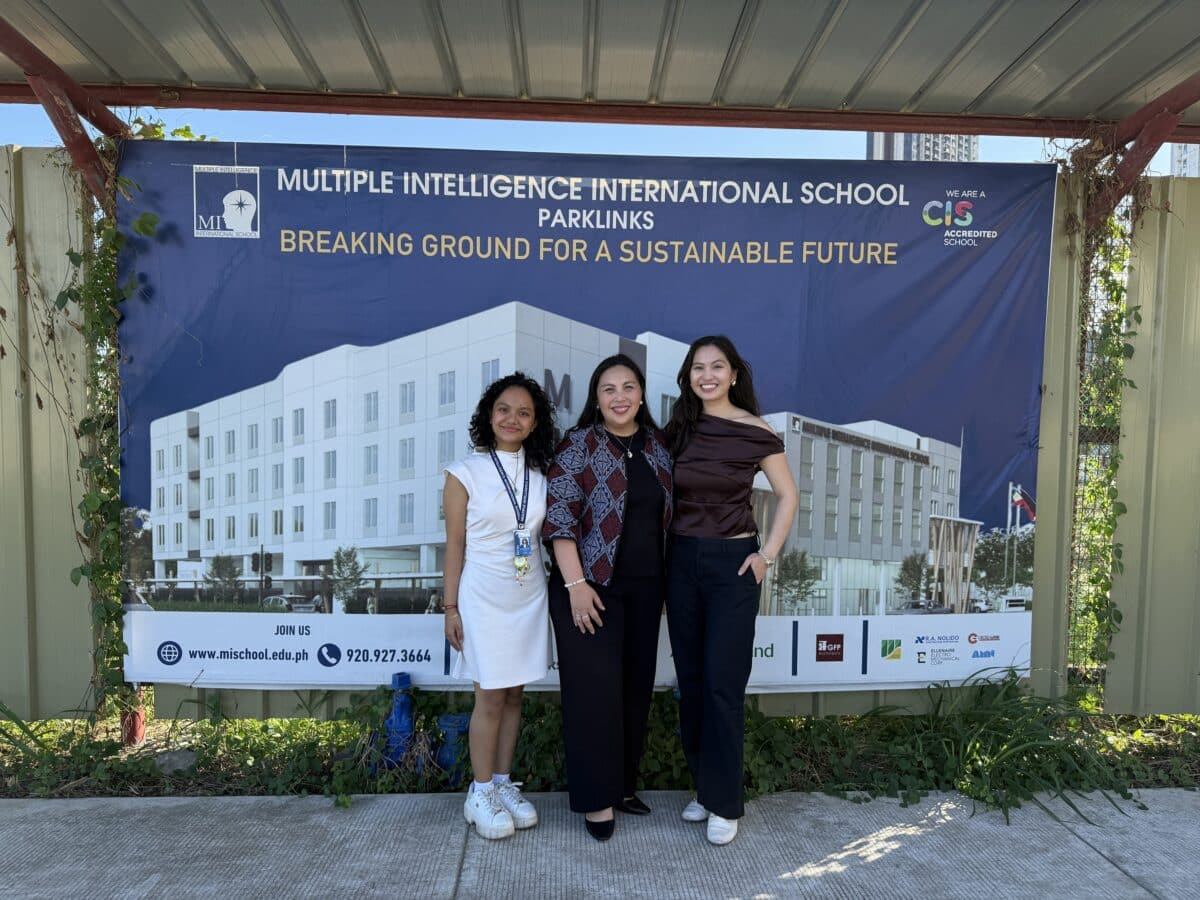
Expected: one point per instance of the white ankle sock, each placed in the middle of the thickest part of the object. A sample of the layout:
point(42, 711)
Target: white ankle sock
point(497, 778)
point(481, 785)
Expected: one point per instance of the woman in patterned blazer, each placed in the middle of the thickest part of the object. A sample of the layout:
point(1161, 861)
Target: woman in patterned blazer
point(609, 504)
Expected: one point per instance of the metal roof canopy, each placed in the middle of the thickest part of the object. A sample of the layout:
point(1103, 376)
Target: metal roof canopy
point(1112, 70)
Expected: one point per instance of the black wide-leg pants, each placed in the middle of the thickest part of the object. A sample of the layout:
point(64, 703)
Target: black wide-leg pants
point(607, 680)
point(710, 616)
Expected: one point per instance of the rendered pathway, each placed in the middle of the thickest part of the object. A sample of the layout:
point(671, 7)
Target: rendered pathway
point(418, 846)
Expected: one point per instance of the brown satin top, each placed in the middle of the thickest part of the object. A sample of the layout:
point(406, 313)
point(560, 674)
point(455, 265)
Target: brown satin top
point(715, 475)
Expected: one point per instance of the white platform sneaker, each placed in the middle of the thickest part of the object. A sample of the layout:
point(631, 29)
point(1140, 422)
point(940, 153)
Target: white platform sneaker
point(484, 810)
point(721, 831)
point(694, 812)
point(522, 811)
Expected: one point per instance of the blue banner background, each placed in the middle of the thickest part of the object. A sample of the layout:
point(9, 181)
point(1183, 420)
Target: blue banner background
point(949, 338)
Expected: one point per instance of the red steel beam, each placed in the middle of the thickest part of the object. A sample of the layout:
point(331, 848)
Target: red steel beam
point(36, 64)
point(1176, 100)
point(61, 111)
point(572, 111)
point(1153, 135)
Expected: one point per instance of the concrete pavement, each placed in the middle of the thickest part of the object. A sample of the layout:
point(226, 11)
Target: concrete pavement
point(418, 846)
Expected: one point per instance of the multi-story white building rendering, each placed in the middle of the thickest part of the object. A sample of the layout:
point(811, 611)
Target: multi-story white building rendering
point(867, 491)
point(347, 447)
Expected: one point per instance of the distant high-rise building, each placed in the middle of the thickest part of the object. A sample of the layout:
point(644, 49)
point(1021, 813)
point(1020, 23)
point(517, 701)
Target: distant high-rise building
point(1185, 160)
point(923, 147)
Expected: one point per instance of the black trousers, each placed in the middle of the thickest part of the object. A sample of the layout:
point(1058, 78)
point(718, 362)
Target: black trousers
point(606, 681)
point(710, 615)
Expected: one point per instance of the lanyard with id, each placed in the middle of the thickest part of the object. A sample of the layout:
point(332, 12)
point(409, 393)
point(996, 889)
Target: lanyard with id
point(522, 539)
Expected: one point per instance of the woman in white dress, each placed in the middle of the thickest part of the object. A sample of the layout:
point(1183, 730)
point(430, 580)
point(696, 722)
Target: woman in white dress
point(496, 615)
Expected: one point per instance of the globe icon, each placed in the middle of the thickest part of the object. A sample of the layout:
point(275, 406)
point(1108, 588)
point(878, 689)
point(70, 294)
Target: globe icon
point(169, 653)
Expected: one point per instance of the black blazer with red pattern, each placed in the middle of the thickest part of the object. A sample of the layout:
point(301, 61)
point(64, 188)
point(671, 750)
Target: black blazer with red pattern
point(592, 518)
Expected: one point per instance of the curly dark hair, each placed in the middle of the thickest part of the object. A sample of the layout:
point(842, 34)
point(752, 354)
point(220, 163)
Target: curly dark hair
point(539, 446)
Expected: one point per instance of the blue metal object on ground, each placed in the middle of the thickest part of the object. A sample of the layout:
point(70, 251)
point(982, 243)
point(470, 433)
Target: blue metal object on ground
point(399, 724)
point(453, 726)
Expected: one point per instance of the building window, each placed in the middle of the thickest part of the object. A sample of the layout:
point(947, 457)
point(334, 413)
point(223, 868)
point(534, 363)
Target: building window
point(806, 458)
point(277, 430)
point(831, 465)
point(370, 513)
point(408, 454)
point(210, 490)
point(160, 498)
point(935, 478)
point(159, 460)
point(162, 535)
point(446, 391)
point(330, 415)
point(371, 463)
point(950, 510)
point(856, 468)
point(441, 512)
point(330, 468)
point(488, 372)
point(209, 531)
point(230, 528)
point(898, 481)
point(297, 474)
point(933, 508)
point(178, 534)
point(407, 507)
point(445, 447)
point(277, 522)
point(329, 515)
point(252, 438)
point(916, 526)
point(371, 411)
point(298, 425)
point(918, 485)
point(408, 399)
point(878, 476)
point(208, 448)
point(856, 520)
point(877, 521)
point(230, 443)
point(252, 526)
point(252, 483)
point(951, 480)
point(177, 456)
point(230, 486)
point(831, 516)
point(178, 496)
point(666, 407)
point(277, 478)
point(897, 523)
point(806, 511)
point(297, 520)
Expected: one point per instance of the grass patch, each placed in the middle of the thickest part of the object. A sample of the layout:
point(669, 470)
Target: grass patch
point(994, 743)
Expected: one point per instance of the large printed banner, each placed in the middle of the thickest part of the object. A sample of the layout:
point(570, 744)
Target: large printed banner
point(833, 653)
point(314, 326)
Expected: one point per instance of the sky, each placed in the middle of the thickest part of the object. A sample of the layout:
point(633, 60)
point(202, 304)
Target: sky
point(27, 125)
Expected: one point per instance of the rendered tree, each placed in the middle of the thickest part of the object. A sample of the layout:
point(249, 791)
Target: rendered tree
point(913, 579)
point(990, 574)
point(795, 577)
point(345, 576)
point(223, 578)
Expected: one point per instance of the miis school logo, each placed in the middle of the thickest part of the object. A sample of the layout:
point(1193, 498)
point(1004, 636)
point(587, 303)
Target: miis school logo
point(889, 648)
point(225, 202)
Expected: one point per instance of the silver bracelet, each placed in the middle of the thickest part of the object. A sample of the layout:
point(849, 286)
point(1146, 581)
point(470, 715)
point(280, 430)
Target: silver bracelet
point(571, 584)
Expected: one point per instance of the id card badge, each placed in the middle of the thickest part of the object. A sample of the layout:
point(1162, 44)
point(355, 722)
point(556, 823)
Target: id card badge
point(522, 543)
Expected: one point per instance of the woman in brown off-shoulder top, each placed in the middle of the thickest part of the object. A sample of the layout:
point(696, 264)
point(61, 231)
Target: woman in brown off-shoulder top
point(716, 563)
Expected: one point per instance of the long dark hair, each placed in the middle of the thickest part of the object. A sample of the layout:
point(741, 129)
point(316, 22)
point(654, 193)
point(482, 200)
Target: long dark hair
point(591, 415)
point(689, 407)
point(539, 446)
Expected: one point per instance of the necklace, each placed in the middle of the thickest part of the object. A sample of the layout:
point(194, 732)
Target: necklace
point(627, 447)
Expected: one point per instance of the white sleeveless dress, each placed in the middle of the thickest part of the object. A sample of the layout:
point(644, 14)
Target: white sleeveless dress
point(506, 623)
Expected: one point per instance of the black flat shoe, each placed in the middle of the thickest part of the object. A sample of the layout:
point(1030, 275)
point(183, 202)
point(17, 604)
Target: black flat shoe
point(601, 831)
point(633, 806)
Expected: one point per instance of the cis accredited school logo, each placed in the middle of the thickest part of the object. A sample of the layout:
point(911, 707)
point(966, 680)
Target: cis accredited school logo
point(956, 214)
point(329, 655)
point(831, 647)
point(225, 202)
point(889, 648)
point(169, 653)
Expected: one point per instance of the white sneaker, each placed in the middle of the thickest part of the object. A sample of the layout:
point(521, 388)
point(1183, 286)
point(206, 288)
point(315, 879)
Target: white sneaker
point(484, 811)
point(522, 811)
point(694, 812)
point(721, 831)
